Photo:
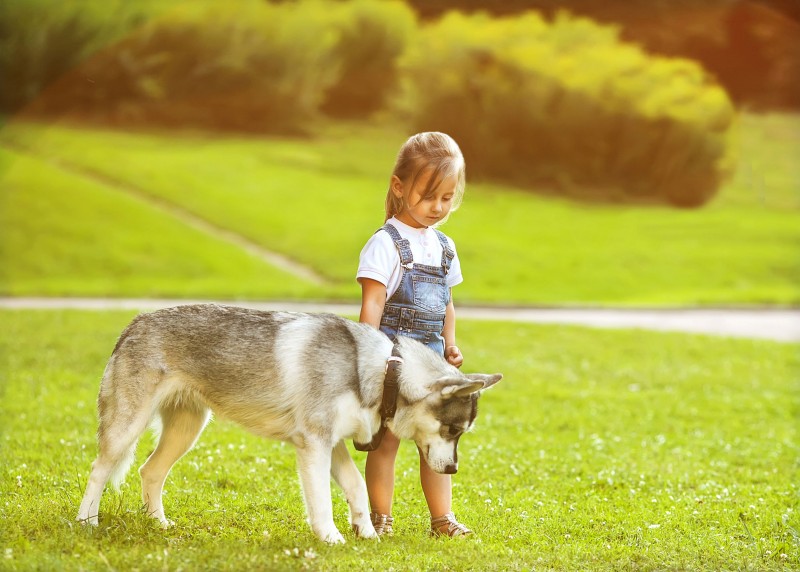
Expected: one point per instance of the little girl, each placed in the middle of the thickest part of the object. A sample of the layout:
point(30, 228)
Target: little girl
point(406, 271)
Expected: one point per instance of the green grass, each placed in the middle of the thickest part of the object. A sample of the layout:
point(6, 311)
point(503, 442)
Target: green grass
point(318, 200)
point(599, 450)
point(66, 234)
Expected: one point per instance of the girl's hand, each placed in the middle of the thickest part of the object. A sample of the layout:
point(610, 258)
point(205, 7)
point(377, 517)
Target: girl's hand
point(453, 356)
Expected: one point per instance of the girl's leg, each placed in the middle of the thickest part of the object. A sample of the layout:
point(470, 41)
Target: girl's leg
point(439, 495)
point(437, 489)
point(379, 474)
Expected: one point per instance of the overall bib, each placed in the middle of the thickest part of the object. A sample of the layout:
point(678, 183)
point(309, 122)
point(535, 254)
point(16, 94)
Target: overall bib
point(417, 309)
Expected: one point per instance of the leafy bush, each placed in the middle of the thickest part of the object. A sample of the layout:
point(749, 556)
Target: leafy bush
point(566, 105)
point(40, 40)
point(252, 65)
point(372, 37)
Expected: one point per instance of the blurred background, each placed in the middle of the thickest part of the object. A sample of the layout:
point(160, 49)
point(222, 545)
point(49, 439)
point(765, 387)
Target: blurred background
point(618, 153)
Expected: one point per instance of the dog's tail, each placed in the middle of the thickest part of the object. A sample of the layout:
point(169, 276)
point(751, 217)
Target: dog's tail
point(121, 469)
point(122, 423)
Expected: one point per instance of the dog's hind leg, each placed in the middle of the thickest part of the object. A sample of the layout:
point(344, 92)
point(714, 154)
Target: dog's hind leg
point(119, 430)
point(314, 466)
point(182, 423)
point(348, 477)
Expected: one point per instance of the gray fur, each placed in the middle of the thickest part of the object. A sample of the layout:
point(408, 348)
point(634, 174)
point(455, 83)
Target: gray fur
point(309, 379)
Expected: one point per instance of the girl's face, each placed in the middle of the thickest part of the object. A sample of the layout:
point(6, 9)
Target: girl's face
point(420, 210)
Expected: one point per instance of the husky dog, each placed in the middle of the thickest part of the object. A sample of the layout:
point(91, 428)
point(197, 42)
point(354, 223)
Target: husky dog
point(312, 380)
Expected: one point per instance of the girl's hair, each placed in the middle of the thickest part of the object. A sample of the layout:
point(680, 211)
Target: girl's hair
point(432, 152)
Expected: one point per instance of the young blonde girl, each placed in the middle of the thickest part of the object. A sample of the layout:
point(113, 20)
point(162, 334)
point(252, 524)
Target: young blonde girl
point(406, 272)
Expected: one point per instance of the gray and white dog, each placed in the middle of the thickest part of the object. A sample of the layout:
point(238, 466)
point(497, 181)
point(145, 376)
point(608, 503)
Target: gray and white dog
point(309, 379)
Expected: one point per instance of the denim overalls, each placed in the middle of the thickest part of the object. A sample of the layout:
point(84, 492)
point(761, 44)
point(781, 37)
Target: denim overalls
point(417, 308)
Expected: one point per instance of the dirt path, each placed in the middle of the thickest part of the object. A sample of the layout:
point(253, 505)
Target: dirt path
point(781, 325)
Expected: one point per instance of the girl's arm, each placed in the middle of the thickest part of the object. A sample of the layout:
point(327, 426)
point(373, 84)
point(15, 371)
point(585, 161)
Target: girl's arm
point(373, 299)
point(451, 351)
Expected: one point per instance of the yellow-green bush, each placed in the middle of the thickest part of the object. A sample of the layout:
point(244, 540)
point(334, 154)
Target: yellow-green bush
point(40, 40)
point(250, 65)
point(565, 106)
point(372, 37)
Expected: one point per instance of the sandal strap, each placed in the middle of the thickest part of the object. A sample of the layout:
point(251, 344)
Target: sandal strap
point(381, 522)
point(447, 525)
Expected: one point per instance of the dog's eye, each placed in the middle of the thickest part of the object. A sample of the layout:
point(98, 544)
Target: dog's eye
point(454, 430)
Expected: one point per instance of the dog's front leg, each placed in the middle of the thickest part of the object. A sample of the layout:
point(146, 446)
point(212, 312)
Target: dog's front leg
point(348, 477)
point(314, 466)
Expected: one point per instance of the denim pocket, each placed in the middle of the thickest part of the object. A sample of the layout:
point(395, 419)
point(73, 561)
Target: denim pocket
point(430, 293)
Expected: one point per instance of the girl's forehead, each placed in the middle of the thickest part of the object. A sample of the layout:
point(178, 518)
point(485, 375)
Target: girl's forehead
point(431, 179)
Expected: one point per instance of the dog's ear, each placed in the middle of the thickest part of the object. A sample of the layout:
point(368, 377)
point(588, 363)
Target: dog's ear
point(488, 380)
point(456, 386)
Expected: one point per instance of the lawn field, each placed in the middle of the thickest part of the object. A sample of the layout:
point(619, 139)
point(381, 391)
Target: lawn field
point(317, 201)
point(601, 450)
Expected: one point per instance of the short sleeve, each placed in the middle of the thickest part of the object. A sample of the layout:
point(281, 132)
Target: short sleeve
point(454, 276)
point(379, 259)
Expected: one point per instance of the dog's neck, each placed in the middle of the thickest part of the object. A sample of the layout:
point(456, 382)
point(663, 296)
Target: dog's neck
point(388, 407)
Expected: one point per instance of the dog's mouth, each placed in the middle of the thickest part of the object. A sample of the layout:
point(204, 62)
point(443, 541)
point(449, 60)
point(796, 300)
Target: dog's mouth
point(447, 468)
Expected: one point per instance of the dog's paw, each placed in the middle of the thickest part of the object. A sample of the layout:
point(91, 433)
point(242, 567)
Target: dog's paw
point(335, 538)
point(365, 530)
point(166, 523)
point(332, 537)
point(88, 520)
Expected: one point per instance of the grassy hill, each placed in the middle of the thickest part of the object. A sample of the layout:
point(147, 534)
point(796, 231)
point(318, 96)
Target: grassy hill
point(93, 212)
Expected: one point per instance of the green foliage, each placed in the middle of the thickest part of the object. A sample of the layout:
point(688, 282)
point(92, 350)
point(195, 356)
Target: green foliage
point(373, 36)
point(262, 67)
point(255, 66)
point(601, 450)
point(565, 105)
point(40, 40)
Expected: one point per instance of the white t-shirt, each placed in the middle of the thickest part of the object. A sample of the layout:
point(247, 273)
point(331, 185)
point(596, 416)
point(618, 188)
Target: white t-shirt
point(380, 260)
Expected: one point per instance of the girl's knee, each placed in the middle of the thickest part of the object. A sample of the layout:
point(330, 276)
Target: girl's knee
point(388, 447)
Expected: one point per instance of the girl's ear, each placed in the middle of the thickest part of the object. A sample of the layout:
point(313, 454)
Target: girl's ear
point(397, 186)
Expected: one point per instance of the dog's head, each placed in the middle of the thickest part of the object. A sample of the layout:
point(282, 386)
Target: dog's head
point(440, 405)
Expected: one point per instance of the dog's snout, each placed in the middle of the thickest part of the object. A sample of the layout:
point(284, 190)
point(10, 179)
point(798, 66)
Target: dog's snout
point(451, 469)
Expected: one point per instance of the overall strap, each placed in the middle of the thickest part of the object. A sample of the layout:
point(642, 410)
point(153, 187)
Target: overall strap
point(447, 252)
point(402, 245)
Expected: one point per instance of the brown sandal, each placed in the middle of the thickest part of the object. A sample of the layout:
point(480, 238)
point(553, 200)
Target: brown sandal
point(447, 525)
point(382, 523)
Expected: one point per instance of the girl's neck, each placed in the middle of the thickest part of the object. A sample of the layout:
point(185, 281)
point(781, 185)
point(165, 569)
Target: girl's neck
point(407, 220)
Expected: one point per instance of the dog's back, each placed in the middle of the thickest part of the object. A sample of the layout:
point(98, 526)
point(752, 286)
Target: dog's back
point(242, 363)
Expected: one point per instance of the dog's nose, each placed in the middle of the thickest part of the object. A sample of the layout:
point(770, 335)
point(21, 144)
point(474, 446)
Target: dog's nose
point(451, 469)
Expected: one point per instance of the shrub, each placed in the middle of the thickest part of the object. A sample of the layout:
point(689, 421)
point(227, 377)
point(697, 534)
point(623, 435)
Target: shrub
point(40, 40)
point(372, 37)
point(252, 65)
point(566, 106)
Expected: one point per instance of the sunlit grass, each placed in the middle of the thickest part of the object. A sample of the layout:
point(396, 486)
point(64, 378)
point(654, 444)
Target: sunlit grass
point(317, 201)
point(599, 450)
point(63, 234)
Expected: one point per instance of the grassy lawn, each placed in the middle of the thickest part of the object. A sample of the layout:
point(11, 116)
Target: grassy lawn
point(599, 450)
point(318, 200)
